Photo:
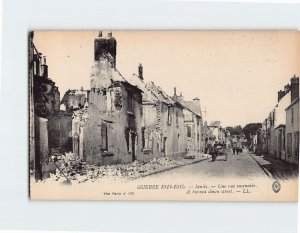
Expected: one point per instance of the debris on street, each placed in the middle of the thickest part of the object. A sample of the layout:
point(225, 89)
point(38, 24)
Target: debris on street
point(73, 169)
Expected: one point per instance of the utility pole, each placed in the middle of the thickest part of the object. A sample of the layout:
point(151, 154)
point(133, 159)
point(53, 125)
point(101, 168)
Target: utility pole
point(204, 111)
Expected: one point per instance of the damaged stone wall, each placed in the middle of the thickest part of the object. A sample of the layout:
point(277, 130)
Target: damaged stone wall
point(173, 131)
point(60, 133)
point(151, 132)
point(111, 121)
point(41, 142)
point(193, 123)
point(46, 97)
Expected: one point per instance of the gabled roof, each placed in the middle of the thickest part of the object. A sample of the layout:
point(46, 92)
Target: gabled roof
point(193, 107)
point(116, 76)
point(74, 92)
point(159, 93)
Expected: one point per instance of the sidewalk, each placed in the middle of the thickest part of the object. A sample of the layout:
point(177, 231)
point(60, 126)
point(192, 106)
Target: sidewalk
point(276, 168)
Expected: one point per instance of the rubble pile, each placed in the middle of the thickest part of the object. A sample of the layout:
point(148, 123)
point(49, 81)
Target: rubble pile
point(72, 168)
point(75, 169)
point(81, 116)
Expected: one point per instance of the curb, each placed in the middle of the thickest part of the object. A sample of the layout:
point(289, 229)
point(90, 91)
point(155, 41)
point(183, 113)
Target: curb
point(265, 170)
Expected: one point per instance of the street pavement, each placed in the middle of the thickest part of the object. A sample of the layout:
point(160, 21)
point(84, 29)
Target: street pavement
point(242, 165)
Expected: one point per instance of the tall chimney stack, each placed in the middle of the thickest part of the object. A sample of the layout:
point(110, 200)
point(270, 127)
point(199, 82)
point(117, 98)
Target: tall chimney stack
point(196, 100)
point(140, 69)
point(294, 88)
point(281, 94)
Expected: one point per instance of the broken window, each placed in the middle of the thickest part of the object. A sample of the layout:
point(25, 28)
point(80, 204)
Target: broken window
point(130, 102)
point(118, 99)
point(169, 115)
point(189, 131)
point(104, 136)
point(130, 138)
point(143, 137)
point(110, 100)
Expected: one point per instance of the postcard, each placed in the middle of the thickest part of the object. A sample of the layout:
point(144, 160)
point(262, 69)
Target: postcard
point(163, 115)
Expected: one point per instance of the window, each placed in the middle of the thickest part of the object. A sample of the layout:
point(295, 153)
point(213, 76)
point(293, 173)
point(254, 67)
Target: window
point(289, 144)
point(130, 102)
point(283, 136)
point(292, 115)
point(104, 136)
point(176, 117)
point(296, 144)
point(169, 115)
point(147, 140)
point(143, 138)
point(189, 131)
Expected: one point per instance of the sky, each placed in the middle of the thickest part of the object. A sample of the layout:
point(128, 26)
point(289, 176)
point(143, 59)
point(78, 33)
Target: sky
point(236, 74)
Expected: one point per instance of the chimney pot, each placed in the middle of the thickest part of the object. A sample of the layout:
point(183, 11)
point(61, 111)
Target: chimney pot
point(140, 69)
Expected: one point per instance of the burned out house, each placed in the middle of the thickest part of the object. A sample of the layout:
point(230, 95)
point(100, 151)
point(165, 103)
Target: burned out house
point(162, 125)
point(113, 130)
point(44, 98)
point(193, 122)
point(74, 99)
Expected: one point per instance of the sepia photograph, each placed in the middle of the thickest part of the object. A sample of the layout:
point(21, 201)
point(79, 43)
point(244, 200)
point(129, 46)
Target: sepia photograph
point(163, 115)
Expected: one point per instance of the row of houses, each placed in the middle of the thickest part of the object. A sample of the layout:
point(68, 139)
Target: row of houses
point(44, 101)
point(119, 120)
point(279, 134)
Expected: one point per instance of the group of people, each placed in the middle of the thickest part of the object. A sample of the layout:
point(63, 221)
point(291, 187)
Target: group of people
point(237, 148)
point(215, 148)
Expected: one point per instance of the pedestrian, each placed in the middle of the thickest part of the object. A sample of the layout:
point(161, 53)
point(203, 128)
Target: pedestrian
point(234, 148)
point(239, 147)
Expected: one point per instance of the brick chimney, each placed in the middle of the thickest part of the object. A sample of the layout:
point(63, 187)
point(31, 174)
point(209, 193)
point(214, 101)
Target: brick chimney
point(287, 88)
point(180, 98)
point(281, 94)
point(294, 88)
point(140, 70)
point(196, 100)
point(44, 68)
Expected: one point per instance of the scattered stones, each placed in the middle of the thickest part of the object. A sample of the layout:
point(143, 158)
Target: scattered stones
point(72, 168)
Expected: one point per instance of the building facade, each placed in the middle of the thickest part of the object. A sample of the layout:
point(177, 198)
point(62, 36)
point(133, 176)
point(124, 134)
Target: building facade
point(193, 123)
point(292, 124)
point(44, 98)
point(113, 131)
point(279, 135)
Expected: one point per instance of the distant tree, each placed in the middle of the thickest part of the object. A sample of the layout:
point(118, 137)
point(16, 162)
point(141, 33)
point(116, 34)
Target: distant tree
point(236, 130)
point(229, 129)
point(251, 129)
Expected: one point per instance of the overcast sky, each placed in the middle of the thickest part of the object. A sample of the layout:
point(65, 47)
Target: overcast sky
point(236, 74)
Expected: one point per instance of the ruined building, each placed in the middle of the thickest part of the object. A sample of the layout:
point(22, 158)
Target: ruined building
point(113, 130)
point(74, 99)
point(193, 122)
point(162, 125)
point(44, 99)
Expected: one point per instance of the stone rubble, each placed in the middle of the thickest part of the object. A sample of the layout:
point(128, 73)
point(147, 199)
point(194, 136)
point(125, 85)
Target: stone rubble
point(79, 171)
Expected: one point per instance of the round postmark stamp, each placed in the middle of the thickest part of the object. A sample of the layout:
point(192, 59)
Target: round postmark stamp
point(276, 186)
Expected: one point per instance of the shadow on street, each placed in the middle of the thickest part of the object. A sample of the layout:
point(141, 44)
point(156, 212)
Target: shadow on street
point(280, 169)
